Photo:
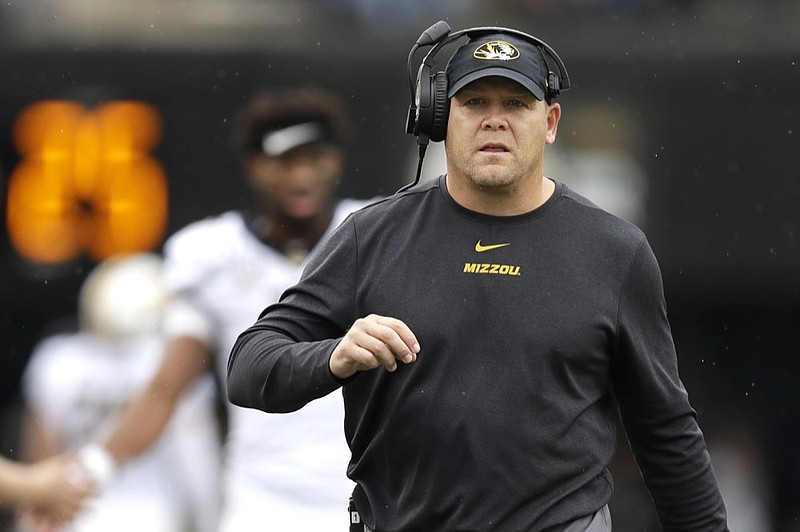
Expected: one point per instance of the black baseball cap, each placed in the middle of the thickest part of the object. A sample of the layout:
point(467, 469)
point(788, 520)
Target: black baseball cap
point(498, 54)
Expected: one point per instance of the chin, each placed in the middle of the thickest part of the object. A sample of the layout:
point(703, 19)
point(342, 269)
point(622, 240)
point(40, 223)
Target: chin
point(302, 212)
point(493, 180)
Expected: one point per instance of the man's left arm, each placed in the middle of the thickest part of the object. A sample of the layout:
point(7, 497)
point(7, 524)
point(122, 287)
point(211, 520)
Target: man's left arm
point(660, 423)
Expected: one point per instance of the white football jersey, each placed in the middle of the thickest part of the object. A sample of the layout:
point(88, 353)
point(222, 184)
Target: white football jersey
point(77, 383)
point(280, 469)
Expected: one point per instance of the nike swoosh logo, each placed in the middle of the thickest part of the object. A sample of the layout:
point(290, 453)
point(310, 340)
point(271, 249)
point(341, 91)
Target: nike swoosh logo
point(480, 248)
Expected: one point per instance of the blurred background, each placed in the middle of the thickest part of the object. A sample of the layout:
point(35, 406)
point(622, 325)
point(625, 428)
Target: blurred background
point(684, 117)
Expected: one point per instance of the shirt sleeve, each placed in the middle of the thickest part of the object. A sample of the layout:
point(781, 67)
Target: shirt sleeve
point(280, 363)
point(186, 263)
point(41, 386)
point(660, 424)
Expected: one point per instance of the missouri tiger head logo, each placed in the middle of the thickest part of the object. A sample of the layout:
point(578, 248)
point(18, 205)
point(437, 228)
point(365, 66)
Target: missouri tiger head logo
point(496, 51)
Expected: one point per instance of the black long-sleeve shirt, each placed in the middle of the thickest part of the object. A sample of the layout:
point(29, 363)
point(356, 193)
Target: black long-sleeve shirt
point(506, 419)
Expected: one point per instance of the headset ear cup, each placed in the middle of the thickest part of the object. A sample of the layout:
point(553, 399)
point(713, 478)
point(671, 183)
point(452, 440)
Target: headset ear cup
point(441, 108)
point(553, 85)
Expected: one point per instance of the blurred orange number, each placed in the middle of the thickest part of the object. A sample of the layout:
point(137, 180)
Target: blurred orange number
point(87, 181)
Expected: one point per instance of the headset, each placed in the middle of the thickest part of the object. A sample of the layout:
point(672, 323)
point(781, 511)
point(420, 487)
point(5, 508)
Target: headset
point(430, 106)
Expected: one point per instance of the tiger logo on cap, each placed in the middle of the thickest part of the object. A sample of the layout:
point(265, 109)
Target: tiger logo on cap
point(496, 51)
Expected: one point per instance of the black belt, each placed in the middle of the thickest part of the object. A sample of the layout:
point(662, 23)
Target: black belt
point(356, 525)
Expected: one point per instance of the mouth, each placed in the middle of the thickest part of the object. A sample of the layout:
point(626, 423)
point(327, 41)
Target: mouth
point(302, 204)
point(494, 147)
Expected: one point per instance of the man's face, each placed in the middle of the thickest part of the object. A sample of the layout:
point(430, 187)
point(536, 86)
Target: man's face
point(299, 184)
point(496, 133)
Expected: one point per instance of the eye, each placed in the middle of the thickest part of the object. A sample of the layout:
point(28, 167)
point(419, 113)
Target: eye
point(515, 103)
point(475, 100)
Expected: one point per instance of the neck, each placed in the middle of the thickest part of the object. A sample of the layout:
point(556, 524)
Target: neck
point(501, 201)
point(292, 237)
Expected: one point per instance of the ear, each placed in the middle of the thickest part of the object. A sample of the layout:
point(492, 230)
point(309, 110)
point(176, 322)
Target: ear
point(553, 116)
point(249, 163)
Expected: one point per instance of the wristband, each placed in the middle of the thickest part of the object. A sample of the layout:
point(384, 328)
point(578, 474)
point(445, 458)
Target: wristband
point(98, 464)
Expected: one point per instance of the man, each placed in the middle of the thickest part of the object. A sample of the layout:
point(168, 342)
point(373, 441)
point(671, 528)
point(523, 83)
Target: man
point(280, 471)
point(76, 380)
point(481, 326)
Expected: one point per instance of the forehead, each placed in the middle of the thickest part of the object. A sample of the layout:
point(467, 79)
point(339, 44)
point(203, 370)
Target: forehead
point(494, 84)
point(308, 153)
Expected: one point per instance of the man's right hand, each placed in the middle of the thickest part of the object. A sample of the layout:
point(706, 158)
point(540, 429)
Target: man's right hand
point(371, 342)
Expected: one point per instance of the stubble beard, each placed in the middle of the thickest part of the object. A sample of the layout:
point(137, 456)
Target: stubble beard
point(493, 177)
point(480, 173)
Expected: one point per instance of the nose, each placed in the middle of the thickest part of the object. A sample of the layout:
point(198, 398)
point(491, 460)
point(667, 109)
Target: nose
point(302, 171)
point(495, 118)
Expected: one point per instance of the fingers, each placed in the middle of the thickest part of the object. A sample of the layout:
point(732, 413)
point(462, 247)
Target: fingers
point(371, 342)
point(388, 339)
point(36, 519)
point(60, 488)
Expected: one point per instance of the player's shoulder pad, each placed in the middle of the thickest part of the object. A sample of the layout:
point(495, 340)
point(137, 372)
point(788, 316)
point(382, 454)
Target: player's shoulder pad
point(201, 246)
